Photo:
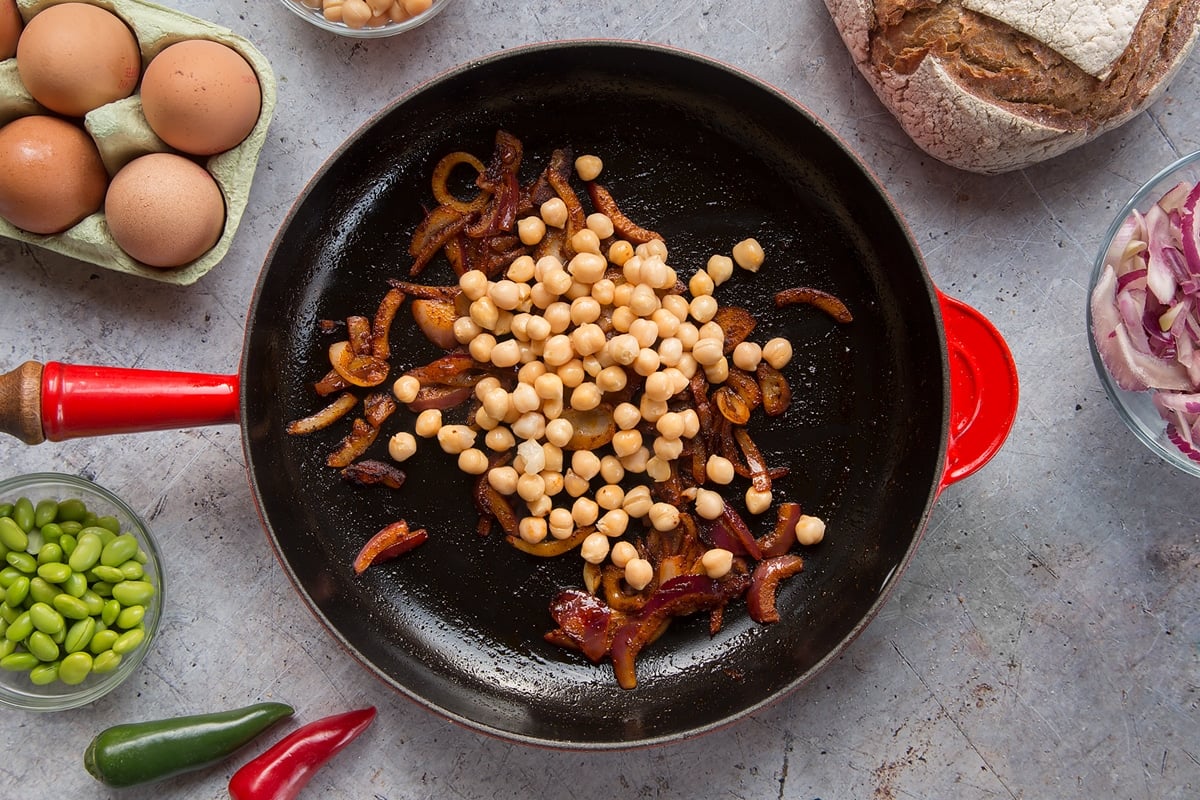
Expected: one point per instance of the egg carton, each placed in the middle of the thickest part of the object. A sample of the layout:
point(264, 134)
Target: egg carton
point(122, 133)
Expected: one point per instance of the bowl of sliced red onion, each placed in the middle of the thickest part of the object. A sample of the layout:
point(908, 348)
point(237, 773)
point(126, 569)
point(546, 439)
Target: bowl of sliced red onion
point(1144, 313)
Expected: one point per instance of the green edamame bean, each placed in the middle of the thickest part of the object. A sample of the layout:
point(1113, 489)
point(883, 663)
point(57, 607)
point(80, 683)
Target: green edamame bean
point(75, 584)
point(42, 646)
point(42, 591)
point(44, 512)
point(70, 527)
point(20, 661)
point(9, 613)
point(67, 543)
point(107, 574)
point(75, 667)
point(133, 593)
point(70, 607)
point(102, 640)
point(119, 550)
point(71, 510)
point(6, 509)
point(102, 588)
point(94, 602)
point(7, 647)
point(50, 553)
point(128, 641)
point(59, 636)
point(46, 618)
point(8, 575)
point(131, 617)
point(17, 591)
point(132, 570)
point(86, 552)
point(106, 662)
point(44, 674)
point(20, 628)
point(142, 557)
point(110, 612)
point(12, 535)
point(54, 572)
point(79, 635)
point(22, 561)
point(23, 513)
point(109, 522)
point(52, 531)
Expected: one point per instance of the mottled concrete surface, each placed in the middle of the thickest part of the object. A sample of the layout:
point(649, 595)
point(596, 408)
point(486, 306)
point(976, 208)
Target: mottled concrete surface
point(1043, 643)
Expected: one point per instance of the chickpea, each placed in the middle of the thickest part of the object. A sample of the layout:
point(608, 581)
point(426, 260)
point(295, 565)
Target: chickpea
point(540, 507)
point(702, 308)
point(757, 502)
point(499, 439)
point(688, 334)
point(716, 562)
point(428, 423)
point(588, 167)
point(531, 230)
point(809, 530)
point(626, 443)
point(748, 254)
point(530, 487)
point(531, 425)
point(653, 273)
point(455, 438)
point(718, 372)
point(549, 386)
point(586, 464)
point(622, 553)
point(670, 351)
point(522, 268)
point(638, 573)
point(603, 291)
point(746, 356)
point(613, 523)
point(474, 284)
point(708, 352)
point(505, 294)
point(558, 282)
point(506, 354)
point(575, 485)
point(777, 352)
point(659, 386)
point(635, 463)
point(405, 388)
point(643, 301)
point(701, 284)
point(719, 268)
point(647, 362)
point(588, 339)
point(594, 548)
point(503, 479)
point(559, 432)
point(356, 13)
point(532, 529)
point(584, 511)
point(554, 456)
point(620, 252)
point(663, 516)
point(600, 224)
point(677, 305)
point(538, 329)
point(719, 469)
point(637, 501)
point(668, 449)
point(562, 526)
point(465, 330)
point(558, 350)
point(473, 461)
point(611, 469)
point(612, 379)
point(670, 425)
point(709, 504)
point(586, 396)
point(554, 481)
point(525, 398)
point(586, 241)
point(496, 403)
point(402, 446)
point(658, 469)
point(587, 266)
point(610, 496)
point(554, 212)
point(484, 313)
point(481, 347)
point(622, 316)
point(626, 416)
point(652, 410)
point(691, 423)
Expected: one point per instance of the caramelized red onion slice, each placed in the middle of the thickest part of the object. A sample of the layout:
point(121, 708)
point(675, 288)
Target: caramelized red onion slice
point(585, 620)
point(764, 586)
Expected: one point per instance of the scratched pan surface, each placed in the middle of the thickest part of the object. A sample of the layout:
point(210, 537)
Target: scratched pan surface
point(707, 156)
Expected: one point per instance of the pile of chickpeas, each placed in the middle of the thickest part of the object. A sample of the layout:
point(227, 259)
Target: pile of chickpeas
point(542, 318)
point(368, 13)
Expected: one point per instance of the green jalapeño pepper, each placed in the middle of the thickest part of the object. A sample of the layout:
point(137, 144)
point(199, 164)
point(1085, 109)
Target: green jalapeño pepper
point(143, 752)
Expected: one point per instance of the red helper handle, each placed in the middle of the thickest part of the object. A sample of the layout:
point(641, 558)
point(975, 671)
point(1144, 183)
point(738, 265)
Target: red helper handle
point(983, 390)
point(61, 401)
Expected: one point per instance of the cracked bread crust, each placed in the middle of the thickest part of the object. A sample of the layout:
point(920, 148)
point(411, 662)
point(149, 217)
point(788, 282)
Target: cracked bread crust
point(982, 96)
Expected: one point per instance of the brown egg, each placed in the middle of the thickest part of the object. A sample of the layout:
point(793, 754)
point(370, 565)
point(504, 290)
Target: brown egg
point(201, 97)
point(51, 175)
point(164, 210)
point(10, 28)
point(75, 57)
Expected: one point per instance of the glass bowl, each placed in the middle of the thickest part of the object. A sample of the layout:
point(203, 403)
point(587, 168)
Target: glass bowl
point(1137, 408)
point(17, 687)
point(316, 17)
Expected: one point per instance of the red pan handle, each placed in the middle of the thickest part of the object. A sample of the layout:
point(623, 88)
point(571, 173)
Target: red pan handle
point(983, 390)
point(61, 401)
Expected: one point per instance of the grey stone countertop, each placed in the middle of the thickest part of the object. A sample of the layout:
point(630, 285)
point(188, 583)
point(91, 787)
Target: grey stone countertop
point(1044, 642)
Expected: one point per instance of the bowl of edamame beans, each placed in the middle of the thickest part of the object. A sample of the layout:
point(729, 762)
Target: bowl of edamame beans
point(81, 591)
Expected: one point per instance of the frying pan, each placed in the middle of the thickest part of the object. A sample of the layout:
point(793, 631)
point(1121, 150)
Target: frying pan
point(916, 393)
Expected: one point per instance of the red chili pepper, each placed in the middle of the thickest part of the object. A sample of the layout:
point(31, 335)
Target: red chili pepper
point(288, 765)
point(394, 540)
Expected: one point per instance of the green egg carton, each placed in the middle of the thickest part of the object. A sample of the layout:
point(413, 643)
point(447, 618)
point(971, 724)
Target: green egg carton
point(122, 134)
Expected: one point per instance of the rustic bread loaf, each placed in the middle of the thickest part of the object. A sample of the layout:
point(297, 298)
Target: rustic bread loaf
point(996, 85)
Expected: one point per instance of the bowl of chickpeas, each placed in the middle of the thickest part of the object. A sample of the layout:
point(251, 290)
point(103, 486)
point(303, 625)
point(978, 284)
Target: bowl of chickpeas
point(80, 591)
point(367, 19)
